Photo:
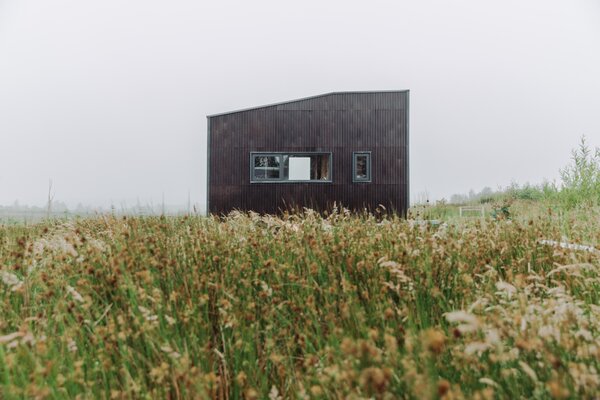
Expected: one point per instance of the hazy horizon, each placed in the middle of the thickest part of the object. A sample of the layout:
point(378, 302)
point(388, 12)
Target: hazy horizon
point(109, 99)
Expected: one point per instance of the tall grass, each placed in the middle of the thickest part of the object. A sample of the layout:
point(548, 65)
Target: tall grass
point(302, 306)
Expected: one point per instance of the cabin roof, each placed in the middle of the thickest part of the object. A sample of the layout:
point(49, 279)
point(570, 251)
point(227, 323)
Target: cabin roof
point(304, 99)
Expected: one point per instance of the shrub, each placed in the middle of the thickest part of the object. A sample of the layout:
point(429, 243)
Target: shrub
point(581, 179)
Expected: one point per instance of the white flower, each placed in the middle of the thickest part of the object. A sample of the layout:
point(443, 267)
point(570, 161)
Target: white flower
point(72, 346)
point(170, 320)
point(75, 294)
point(10, 337)
point(169, 350)
point(476, 348)
point(11, 280)
point(488, 381)
point(528, 371)
point(147, 314)
point(467, 322)
point(274, 393)
point(266, 288)
point(506, 288)
point(584, 334)
point(492, 337)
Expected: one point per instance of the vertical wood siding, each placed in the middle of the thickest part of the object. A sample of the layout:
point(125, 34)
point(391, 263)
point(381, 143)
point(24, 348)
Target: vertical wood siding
point(340, 123)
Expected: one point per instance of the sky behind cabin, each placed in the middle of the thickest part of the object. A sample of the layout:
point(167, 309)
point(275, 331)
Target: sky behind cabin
point(109, 98)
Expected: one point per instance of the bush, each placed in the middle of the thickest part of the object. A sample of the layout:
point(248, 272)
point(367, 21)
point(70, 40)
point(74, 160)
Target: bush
point(581, 179)
point(527, 192)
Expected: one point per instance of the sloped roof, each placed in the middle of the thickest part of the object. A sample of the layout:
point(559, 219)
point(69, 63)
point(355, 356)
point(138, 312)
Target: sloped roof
point(305, 99)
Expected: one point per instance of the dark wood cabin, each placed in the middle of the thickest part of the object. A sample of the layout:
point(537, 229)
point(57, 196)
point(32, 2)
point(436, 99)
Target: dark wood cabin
point(347, 148)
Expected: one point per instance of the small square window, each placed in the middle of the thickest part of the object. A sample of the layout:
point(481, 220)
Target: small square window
point(361, 168)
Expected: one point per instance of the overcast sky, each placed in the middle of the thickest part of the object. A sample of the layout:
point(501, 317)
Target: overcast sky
point(108, 98)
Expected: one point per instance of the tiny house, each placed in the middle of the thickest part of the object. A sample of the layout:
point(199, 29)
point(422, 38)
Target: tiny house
point(345, 148)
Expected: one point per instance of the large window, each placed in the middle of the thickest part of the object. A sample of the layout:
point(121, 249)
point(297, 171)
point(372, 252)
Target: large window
point(361, 166)
point(290, 167)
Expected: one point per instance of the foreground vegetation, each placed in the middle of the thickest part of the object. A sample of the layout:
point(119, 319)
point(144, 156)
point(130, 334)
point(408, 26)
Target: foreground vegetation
point(301, 307)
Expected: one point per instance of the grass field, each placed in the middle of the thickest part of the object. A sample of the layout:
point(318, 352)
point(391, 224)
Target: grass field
point(301, 307)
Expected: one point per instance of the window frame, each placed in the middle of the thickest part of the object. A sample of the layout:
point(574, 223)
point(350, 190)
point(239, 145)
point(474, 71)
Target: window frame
point(369, 177)
point(281, 154)
point(253, 167)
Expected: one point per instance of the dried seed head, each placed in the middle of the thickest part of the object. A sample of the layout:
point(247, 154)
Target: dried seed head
point(443, 387)
point(557, 391)
point(251, 394)
point(433, 340)
point(373, 380)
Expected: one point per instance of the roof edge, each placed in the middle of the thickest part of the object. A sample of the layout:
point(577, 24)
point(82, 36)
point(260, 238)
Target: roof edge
point(307, 98)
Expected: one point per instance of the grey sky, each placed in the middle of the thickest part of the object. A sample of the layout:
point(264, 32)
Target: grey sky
point(109, 98)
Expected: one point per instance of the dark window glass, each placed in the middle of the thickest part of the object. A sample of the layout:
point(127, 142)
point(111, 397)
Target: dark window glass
point(362, 167)
point(266, 167)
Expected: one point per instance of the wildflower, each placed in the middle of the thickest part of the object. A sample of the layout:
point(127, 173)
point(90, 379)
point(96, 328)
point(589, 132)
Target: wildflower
point(488, 381)
point(434, 340)
point(158, 374)
point(38, 247)
point(443, 387)
point(57, 244)
point(98, 245)
point(485, 394)
point(170, 320)
point(11, 280)
point(251, 394)
point(388, 313)
point(373, 334)
point(274, 393)
point(169, 350)
point(241, 378)
point(528, 371)
point(549, 332)
point(391, 344)
point(460, 316)
point(468, 322)
point(76, 296)
point(492, 337)
point(276, 358)
point(557, 391)
point(348, 346)
point(476, 348)
point(374, 380)
point(10, 337)
point(265, 287)
point(506, 288)
point(584, 334)
point(147, 314)
point(72, 346)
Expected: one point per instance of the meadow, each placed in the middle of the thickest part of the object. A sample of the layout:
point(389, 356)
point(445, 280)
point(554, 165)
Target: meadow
point(302, 306)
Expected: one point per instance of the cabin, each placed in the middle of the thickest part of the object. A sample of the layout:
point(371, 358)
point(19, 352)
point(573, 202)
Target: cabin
point(348, 149)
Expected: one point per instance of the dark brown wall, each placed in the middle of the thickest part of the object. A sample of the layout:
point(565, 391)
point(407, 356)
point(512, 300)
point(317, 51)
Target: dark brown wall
point(340, 123)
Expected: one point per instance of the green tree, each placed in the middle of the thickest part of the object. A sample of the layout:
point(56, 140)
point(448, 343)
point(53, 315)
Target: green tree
point(581, 179)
